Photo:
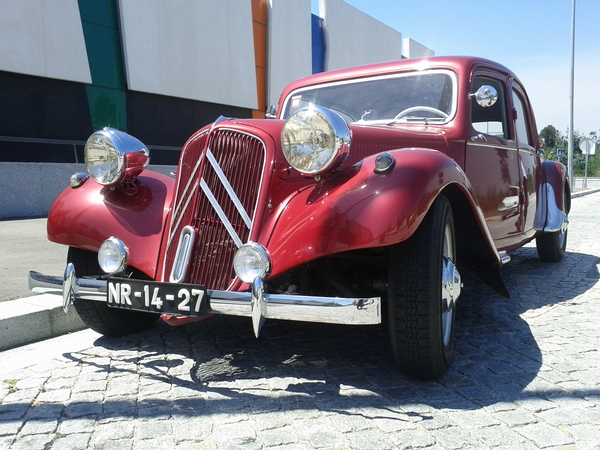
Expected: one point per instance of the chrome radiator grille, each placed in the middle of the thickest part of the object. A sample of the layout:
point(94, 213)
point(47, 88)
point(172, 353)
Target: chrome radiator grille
point(219, 179)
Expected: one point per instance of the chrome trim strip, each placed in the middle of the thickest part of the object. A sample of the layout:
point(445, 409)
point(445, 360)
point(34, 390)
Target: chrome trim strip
point(492, 145)
point(215, 204)
point(192, 181)
point(234, 198)
point(183, 254)
point(335, 310)
point(174, 226)
point(453, 76)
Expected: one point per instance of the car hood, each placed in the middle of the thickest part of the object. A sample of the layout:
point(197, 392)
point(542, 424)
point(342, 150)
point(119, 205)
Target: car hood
point(372, 139)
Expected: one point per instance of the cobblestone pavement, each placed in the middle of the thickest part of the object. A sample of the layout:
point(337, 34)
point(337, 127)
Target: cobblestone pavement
point(526, 376)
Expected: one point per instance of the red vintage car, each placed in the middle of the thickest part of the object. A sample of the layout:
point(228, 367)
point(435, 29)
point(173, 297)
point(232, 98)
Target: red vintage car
point(363, 195)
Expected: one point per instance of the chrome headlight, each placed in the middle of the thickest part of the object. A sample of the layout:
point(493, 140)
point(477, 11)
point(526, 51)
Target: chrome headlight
point(113, 255)
point(112, 156)
point(315, 139)
point(251, 261)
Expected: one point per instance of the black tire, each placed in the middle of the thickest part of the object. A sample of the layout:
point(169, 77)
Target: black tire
point(551, 246)
point(98, 316)
point(423, 287)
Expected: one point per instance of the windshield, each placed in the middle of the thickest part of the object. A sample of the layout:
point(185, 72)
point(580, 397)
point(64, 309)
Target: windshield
point(422, 97)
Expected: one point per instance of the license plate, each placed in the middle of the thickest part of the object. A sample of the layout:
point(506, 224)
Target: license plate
point(154, 296)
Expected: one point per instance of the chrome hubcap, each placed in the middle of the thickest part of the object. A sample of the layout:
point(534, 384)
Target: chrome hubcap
point(451, 285)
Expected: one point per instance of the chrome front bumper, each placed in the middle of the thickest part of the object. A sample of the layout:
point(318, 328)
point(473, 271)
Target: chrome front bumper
point(256, 304)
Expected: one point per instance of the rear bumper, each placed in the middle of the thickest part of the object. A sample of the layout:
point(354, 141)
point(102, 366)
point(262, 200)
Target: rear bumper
point(256, 304)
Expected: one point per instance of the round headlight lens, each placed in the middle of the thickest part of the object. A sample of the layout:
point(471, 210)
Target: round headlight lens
point(251, 261)
point(113, 255)
point(104, 163)
point(315, 139)
point(111, 156)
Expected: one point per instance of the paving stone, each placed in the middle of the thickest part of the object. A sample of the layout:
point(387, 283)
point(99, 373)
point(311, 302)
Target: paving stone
point(545, 435)
point(77, 441)
point(10, 428)
point(39, 427)
point(31, 442)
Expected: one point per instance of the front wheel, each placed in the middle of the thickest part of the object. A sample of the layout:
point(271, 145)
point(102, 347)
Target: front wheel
point(97, 315)
point(424, 285)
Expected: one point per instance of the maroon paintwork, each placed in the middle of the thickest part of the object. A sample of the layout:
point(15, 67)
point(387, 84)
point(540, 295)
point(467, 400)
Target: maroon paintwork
point(300, 219)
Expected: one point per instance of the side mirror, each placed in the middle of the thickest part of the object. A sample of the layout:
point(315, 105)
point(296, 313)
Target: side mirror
point(485, 96)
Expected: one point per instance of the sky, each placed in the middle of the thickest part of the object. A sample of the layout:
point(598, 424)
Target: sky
point(530, 37)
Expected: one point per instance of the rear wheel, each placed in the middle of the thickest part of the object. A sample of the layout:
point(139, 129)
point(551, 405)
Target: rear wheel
point(423, 287)
point(97, 315)
point(551, 246)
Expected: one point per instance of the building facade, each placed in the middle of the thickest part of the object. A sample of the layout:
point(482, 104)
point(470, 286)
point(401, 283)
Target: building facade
point(162, 69)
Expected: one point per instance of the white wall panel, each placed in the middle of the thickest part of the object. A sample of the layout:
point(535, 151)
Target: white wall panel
point(289, 44)
point(43, 38)
point(354, 38)
point(195, 49)
point(141, 44)
point(412, 49)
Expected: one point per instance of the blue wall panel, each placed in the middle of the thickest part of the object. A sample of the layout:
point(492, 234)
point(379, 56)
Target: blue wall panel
point(318, 45)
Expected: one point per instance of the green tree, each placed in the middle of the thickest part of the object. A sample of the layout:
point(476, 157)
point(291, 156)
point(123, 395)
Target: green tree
point(554, 140)
point(550, 135)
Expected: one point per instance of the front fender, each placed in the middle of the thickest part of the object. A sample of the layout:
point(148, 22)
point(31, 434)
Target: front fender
point(359, 209)
point(86, 216)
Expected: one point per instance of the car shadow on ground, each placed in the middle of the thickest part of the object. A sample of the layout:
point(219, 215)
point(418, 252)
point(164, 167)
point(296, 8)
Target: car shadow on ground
point(350, 370)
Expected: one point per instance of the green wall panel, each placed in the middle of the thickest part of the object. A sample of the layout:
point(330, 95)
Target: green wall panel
point(107, 93)
point(108, 107)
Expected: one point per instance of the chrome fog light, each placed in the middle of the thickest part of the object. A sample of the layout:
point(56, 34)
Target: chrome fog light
point(251, 261)
point(113, 255)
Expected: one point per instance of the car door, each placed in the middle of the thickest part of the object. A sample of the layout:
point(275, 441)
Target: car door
point(529, 158)
point(492, 161)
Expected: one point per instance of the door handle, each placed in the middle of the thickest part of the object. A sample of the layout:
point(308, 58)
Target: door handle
point(478, 138)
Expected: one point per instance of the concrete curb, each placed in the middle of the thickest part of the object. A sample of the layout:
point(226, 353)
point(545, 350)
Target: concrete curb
point(584, 192)
point(41, 317)
point(35, 318)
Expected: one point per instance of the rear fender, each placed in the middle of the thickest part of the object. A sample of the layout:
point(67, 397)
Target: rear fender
point(360, 209)
point(552, 206)
point(86, 216)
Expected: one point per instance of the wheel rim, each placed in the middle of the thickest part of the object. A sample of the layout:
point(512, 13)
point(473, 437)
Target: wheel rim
point(451, 284)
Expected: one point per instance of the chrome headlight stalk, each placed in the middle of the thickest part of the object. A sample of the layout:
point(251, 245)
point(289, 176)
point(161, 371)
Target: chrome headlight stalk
point(252, 261)
point(113, 157)
point(315, 140)
point(113, 256)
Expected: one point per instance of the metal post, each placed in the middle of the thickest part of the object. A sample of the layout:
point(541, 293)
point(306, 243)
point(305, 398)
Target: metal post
point(571, 96)
point(586, 166)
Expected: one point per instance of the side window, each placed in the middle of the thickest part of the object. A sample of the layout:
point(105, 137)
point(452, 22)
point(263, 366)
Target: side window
point(490, 120)
point(521, 122)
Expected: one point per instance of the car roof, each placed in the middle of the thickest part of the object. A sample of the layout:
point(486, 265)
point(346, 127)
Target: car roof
point(459, 64)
